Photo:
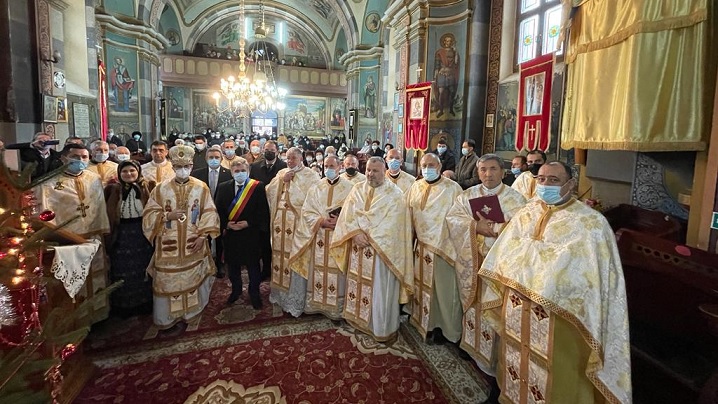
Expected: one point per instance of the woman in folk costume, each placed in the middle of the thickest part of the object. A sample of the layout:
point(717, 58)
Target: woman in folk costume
point(128, 249)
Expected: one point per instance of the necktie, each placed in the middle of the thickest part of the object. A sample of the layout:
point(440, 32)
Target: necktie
point(212, 181)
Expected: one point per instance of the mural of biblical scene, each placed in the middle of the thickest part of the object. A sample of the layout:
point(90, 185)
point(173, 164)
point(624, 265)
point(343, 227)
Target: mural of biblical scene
point(121, 81)
point(366, 133)
point(368, 89)
point(322, 7)
point(339, 113)
point(372, 22)
point(175, 97)
point(505, 119)
point(299, 50)
point(205, 115)
point(176, 125)
point(305, 116)
point(446, 58)
point(387, 128)
point(340, 48)
point(295, 43)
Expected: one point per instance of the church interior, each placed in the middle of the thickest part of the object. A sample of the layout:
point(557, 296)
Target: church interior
point(601, 86)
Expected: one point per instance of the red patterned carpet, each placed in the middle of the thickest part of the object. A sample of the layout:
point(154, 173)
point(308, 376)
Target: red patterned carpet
point(240, 355)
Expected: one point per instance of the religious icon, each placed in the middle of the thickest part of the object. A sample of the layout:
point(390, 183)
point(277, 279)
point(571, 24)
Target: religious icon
point(122, 85)
point(168, 209)
point(370, 98)
point(533, 94)
point(372, 22)
point(446, 75)
point(194, 217)
point(417, 108)
point(61, 109)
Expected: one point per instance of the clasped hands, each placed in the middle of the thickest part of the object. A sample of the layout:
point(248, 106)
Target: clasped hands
point(241, 225)
point(485, 227)
point(177, 214)
point(361, 240)
point(329, 223)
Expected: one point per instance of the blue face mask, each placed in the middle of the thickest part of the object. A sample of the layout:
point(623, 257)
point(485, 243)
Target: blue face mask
point(240, 177)
point(330, 173)
point(464, 151)
point(516, 171)
point(430, 174)
point(394, 164)
point(213, 163)
point(551, 194)
point(229, 153)
point(76, 166)
point(136, 137)
point(441, 150)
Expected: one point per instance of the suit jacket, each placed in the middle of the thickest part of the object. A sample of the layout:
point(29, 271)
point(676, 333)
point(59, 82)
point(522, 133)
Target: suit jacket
point(202, 174)
point(243, 247)
point(260, 172)
point(199, 160)
point(467, 175)
point(29, 154)
point(115, 140)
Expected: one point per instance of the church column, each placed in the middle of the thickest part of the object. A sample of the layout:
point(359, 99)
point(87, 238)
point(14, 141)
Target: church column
point(476, 77)
point(365, 84)
point(130, 52)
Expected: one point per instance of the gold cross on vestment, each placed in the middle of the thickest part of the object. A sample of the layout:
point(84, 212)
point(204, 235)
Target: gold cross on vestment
point(83, 208)
point(58, 186)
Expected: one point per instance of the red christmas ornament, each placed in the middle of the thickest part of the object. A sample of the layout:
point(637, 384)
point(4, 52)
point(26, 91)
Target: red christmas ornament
point(47, 215)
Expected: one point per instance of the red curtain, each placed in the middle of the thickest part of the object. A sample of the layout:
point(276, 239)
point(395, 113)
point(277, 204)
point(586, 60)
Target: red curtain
point(534, 117)
point(416, 116)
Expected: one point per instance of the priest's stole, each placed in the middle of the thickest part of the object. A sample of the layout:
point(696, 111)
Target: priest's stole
point(282, 237)
point(478, 337)
point(423, 287)
point(360, 280)
point(326, 284)
point(526, 350)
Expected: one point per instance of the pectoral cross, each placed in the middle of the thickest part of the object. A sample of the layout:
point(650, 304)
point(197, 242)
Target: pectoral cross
point(58, 186)
point(83, 208)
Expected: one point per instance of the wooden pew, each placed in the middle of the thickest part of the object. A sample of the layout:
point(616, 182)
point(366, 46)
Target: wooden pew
point(672, 294)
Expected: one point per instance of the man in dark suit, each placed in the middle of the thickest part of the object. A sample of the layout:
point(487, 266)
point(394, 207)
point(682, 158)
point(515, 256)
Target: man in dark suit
point(244, 223)
point(448, 161)
point(265, 170)
point(213, 175)
point(114, 139)
point(200, 154)
point(39, 152)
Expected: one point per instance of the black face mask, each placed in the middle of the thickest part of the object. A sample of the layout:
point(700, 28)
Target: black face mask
point(270, 155)
point(351, 171)
point(534, 168)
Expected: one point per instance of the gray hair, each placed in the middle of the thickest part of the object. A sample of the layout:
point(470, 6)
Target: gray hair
point(239, 161)
point(229, 141)
point(295, 151)
point(332, 157)
point(97, 143)
point(433, 157)
point(489, 157)
point(376, 159)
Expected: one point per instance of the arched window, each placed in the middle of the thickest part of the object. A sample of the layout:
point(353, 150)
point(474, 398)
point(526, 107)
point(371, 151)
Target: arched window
point(538, 25)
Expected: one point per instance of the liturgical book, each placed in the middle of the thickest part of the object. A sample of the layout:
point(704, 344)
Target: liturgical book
point(489, 207)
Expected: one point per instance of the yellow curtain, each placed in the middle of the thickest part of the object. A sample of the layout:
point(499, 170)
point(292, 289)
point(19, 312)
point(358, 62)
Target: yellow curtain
point(637, 76)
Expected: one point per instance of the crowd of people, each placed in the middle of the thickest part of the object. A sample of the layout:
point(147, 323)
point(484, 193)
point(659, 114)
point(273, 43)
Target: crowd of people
point(533, 293)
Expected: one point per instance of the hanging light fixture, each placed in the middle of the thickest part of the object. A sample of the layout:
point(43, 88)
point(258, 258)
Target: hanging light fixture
point(260, 93)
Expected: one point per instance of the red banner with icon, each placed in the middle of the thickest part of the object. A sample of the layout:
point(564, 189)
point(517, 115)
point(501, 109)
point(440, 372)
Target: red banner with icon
point(416, 117)
point(534, 117)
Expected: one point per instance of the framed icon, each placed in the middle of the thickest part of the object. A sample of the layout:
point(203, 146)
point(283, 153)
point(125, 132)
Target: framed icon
point(400, 114)
point(61, 109)
point(49, 108)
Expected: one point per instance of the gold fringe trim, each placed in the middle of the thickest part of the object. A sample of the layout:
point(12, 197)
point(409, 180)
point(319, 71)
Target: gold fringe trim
point(595, 362)
point(639, 27)
point(647, 146)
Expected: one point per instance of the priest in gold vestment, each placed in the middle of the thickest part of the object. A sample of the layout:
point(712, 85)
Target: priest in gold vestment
point(78, 192)
point(310, 256)
point(373, 230)
point(286, 194)
point(556, 277)
point(99, 163)
point(177, 220)
point(526, 181)
point(436, 307)
point(159, 169)
point(401, 179)
point(473, 239)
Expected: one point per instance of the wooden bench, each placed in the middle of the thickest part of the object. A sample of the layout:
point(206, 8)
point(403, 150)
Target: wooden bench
point(673, 310)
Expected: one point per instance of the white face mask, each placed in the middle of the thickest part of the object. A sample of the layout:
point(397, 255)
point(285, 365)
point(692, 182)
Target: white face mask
point(123, 157)
point(255, 149)
point(101, 157)
point(183, 173)
point(200, 146)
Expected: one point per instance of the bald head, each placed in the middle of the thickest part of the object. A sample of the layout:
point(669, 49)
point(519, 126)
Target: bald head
point(393, 154)
point(431, 159)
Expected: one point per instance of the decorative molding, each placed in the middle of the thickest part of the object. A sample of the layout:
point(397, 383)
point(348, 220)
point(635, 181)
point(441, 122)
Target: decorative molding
point(649, 189)
point(358, 55)
point(465, 15)
point(148, 34)
point(156, 12)
point(59, 4)
point(492, 82)
point(143, 53)
point(44, 44)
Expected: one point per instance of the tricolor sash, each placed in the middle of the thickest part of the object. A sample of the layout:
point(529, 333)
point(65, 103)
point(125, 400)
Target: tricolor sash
point(240, 200)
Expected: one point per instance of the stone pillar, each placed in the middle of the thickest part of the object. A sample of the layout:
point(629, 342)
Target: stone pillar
point(476, 77)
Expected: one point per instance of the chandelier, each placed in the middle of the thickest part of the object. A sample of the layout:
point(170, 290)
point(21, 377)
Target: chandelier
point(260, 93)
